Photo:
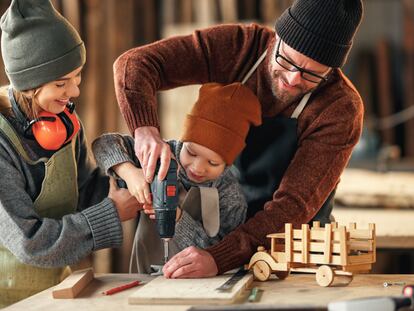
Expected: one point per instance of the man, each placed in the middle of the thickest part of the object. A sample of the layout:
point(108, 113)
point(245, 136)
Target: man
point(312, 116)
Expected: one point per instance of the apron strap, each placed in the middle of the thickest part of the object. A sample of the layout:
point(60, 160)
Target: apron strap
point(304, 99)
point(210, 210)
point(202, 204)
point(247, 76)
point(14, 139)
point(299, 108)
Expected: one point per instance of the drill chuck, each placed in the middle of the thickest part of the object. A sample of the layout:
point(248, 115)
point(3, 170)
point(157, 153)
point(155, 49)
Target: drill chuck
point(165, 222)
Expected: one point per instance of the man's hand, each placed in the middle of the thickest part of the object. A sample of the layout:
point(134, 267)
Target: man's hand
point(149, 147)
point(191, 262)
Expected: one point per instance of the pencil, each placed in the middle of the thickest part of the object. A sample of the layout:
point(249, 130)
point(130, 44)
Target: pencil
point(121, 288)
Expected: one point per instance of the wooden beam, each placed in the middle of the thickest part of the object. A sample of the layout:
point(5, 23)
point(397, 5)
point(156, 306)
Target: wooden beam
point(71, 287)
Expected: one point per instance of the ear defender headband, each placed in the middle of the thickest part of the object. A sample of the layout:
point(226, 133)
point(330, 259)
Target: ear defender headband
point(50, 130)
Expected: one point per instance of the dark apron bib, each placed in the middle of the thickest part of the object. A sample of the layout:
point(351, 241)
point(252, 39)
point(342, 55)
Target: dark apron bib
point(269, 150)
point(263, 162)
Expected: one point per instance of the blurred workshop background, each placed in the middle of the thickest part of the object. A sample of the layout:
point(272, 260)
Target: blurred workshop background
point(377, 187)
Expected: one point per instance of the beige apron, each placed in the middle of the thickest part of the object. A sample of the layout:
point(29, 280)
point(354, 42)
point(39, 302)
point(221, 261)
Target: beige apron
point(202, 203)
point(58, 197)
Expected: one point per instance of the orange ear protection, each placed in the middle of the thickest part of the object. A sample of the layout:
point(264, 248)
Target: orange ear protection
point(50, 130)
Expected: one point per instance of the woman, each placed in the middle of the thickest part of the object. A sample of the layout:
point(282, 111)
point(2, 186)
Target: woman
point(55, 208)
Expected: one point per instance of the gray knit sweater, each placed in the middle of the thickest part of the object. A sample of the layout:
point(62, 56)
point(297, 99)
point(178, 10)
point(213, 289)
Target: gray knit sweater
point(112, 149)
point(46, 242)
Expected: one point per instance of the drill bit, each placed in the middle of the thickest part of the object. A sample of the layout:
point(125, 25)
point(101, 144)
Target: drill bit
point(166, 251)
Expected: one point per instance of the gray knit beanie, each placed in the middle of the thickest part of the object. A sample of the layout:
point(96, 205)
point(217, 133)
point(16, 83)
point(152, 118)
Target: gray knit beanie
point(321, 29)
point(38, 45)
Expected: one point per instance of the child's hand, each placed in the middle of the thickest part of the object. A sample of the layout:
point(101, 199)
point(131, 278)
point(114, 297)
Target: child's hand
point(149, 210)
point(135, 181)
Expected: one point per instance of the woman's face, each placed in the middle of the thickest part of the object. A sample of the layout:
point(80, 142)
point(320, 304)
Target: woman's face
point(54, 96)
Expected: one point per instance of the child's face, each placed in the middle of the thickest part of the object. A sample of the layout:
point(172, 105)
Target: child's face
point(200, 163)
point(54, 96)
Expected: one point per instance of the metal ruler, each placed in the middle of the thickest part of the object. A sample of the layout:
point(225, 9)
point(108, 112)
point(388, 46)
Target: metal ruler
point(228, 285)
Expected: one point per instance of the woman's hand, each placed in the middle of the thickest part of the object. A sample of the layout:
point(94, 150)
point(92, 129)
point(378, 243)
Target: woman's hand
point(125, 203)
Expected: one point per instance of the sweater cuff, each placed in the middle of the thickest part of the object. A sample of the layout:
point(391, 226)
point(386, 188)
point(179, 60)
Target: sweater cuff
point(113, 156)
point(225, 255)
point(105, 225)
point(184, 230)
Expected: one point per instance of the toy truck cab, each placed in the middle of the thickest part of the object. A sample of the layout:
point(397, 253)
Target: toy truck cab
point(326, 251)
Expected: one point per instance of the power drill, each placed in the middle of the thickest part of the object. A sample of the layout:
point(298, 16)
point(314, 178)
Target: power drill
point(164, 201)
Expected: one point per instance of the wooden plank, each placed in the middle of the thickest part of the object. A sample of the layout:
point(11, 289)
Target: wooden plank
point(317, 259)
point(394, 227)
point(359, 259)
point(361, 234)
point(374, 246)
point(276, 235)
point(73, 284)
point(343, 246)
point(357, 245)
point(316, 224)
point(364, 188)
point(327, 243)
point(319, 235)
point(288, 241)
point(305, 243)
point(188, 291)
point(320, 247)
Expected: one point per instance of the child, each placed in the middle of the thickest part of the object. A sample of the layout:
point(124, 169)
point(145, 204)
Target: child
point(54, 205)
point(213, 136)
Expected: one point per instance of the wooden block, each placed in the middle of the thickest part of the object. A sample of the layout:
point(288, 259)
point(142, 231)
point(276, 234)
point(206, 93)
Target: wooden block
point(73, 284)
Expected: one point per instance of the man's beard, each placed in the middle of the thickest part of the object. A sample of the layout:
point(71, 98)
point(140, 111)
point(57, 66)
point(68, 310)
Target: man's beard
point(284, 96)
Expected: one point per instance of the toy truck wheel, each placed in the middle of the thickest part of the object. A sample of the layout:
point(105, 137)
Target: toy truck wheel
point(324, 276)
point(261, 270)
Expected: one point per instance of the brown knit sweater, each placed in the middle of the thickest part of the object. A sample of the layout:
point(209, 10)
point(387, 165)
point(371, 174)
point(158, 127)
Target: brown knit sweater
point(328, 128)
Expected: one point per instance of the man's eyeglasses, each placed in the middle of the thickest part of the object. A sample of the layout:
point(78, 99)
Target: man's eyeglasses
point(288, 65)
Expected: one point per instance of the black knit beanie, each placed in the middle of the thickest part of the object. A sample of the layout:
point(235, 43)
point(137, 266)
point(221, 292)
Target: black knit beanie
point(323, 30)
point(38, 44)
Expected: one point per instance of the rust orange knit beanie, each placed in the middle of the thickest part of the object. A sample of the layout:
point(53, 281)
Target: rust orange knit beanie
point(221, 117)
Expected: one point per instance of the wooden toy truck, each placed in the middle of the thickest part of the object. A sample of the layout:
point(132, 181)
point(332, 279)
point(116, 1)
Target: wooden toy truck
point(327, 251)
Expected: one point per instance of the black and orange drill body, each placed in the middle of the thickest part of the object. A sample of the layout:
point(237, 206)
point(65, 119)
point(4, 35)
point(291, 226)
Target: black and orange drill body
point(165, 200)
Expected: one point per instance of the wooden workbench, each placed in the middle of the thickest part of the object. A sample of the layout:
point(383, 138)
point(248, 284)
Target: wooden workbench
point(297, 289)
